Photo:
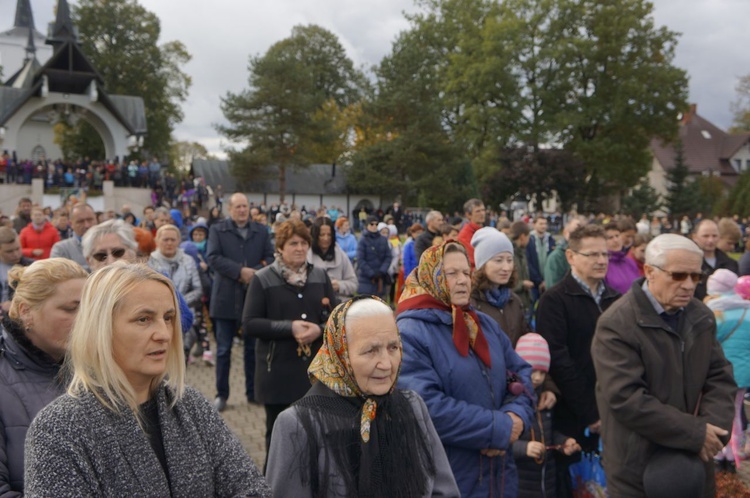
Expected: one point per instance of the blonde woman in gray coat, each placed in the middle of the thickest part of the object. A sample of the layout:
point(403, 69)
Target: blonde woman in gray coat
point(128, 425)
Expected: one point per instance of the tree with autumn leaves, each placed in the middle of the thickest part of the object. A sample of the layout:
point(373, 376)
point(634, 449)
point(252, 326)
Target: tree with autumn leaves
point(472, 98)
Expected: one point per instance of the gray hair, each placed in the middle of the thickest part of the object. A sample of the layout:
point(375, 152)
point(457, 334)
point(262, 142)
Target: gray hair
point(80, 206)
point(162, 210)
point(657, 249)
point(118, 227)
point(367, 308)
point(432, 215)
point(471, 204)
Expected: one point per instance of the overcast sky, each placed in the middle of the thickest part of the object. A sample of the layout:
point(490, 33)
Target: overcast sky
point(222, 34)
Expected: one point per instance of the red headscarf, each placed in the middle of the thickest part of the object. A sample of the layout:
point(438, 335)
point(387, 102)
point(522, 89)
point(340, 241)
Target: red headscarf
point(427, 287)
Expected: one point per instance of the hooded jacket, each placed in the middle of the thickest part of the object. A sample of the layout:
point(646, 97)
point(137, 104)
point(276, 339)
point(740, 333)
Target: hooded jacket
point(733, 333)
point(466, 401)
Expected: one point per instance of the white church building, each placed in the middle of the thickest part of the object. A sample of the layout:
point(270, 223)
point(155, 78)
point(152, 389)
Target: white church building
point(48, 79)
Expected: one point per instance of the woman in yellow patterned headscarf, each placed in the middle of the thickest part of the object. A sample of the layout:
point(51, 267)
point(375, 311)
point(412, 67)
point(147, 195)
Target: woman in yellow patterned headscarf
point(354, 433)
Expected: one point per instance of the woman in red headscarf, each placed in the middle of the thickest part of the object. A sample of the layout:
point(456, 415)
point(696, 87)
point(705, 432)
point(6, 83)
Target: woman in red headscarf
point(476, 388)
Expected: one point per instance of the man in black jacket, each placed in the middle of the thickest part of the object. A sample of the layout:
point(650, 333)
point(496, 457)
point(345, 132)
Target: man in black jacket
point(434, 220)
point(237, 248)
point(566, 318)
point(706, 235)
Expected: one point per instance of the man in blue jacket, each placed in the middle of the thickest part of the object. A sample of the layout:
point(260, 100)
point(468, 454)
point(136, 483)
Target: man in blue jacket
point(237, 247)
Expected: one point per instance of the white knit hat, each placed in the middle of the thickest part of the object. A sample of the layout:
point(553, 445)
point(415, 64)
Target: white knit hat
point(488, 242)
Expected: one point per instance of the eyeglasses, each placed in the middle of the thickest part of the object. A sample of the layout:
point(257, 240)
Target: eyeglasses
point(593, 255)
point(116, 253)
point(374, 224)
point(681, 276)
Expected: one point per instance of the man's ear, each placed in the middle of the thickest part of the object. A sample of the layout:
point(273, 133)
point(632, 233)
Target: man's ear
point(648, 271)
point(569, 256)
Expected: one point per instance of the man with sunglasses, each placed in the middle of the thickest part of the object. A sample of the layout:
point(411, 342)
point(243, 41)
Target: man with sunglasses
point(566, 318)
point(665, 391)
point(706, 235)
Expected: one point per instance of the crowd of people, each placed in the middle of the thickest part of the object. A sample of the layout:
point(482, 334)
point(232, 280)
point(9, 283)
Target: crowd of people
point(428, 355)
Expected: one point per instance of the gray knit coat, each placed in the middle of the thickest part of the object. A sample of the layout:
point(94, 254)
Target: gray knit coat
point(77, 447)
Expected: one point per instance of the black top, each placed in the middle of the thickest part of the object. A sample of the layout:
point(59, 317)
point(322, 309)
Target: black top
point(150, 420)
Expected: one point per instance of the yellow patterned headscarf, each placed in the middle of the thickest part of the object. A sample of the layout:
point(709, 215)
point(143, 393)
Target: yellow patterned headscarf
point(331, 366)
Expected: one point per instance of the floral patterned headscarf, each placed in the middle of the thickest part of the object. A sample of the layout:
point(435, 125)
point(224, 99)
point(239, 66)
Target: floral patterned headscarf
point(427, 287)
point(331, 366)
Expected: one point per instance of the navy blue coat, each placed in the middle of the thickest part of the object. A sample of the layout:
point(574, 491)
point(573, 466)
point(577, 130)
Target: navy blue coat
point(227, 253)
point(373, 258)
point(466, 401)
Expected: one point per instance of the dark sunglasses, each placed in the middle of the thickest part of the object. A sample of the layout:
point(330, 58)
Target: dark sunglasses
point(116, 253)
point(681, 276)
point(374, 224)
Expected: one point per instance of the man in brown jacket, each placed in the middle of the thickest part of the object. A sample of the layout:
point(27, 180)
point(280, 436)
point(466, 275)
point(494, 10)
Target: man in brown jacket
point(662, 380)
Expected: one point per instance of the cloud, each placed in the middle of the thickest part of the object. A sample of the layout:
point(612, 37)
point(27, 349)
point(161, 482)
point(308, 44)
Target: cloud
point(222, 34)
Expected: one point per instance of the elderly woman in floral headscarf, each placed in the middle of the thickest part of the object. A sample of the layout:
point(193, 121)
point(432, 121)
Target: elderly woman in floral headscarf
point(354, 433)
point(476, 388)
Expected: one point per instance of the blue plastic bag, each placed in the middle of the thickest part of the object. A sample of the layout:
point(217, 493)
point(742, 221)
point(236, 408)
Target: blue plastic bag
point(588, 476)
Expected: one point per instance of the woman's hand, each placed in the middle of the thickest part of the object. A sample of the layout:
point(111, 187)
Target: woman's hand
point(535, 449)
point(305, 332)
point(517, 429)
point(335, 285)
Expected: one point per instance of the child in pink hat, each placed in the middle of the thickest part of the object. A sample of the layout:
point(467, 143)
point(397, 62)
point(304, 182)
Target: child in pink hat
point(536, 465)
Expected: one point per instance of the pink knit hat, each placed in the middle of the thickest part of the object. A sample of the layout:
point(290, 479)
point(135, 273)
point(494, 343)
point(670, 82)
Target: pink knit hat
point(742, 288)
point(534, 350)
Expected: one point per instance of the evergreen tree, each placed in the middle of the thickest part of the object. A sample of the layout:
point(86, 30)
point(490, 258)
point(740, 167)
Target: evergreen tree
point(681, 189)
point(642, 199)
point(290, 114)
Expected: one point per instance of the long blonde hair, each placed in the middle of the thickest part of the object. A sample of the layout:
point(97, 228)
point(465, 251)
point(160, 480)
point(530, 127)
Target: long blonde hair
point(90, 355)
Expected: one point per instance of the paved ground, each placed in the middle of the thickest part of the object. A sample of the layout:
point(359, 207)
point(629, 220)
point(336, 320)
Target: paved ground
point(247, 421)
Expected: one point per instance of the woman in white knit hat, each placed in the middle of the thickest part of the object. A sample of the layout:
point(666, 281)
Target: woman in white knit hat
point(493, 282)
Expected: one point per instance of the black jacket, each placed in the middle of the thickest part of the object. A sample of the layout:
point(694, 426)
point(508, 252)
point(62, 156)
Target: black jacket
point(271, 306)
point(722, 261)
point(423, 242)
point(227, 253)
point(651, 379)
point(566, 318)
point(29, 381)
point(537, 480)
